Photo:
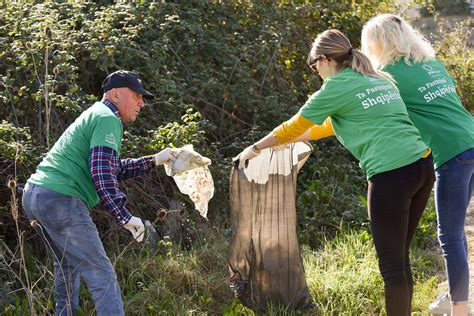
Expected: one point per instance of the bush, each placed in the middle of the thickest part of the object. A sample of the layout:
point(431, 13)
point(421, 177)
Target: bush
point(454, 49)
point(239, 67)
point(18, 158)
point(331, 190)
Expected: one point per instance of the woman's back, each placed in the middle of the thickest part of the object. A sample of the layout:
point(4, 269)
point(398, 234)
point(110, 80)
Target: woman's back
point(369, 119)
point(434, 107)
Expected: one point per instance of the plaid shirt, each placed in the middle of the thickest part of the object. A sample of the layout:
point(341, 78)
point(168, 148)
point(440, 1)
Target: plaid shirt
point(107, 169)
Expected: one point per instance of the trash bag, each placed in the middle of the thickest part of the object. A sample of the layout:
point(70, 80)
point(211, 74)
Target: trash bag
point(186, 159)
point(264, 261)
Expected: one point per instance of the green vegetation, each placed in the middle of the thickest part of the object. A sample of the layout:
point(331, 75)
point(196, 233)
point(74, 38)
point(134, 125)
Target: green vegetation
point(224, 74)
point(454, 50)
point(342, 276)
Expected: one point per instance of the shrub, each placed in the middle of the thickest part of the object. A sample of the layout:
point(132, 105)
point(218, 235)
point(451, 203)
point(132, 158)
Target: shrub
point(454, 49)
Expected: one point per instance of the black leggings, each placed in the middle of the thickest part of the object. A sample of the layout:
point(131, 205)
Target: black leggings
point(396, 201)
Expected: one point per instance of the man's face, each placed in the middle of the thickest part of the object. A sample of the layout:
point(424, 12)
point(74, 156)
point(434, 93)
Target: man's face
point(129, 103)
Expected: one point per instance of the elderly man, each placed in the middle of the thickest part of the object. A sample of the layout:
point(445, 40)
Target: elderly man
point(81, 169)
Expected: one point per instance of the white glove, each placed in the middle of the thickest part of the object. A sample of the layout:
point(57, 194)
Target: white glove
point(136, 227)
point(247, 154)
point(163, 156)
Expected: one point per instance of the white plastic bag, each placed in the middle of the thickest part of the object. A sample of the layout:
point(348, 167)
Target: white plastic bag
point(192, 176)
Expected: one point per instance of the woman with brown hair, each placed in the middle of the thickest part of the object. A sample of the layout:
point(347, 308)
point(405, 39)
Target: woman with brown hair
point(363, 108)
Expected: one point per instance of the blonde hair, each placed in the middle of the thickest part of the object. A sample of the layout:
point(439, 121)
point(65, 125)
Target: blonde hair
point(387, 38)
point(335, 45)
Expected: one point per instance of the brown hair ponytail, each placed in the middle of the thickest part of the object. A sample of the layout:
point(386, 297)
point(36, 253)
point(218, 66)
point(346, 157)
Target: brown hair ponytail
point(335, 45)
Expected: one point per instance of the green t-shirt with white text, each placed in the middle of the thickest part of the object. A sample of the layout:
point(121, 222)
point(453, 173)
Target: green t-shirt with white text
point(369, 119)
point(65, 169)
point(429, 94)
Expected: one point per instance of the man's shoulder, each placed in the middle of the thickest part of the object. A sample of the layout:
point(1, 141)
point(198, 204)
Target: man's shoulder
point(99, 111)
point(97, 117)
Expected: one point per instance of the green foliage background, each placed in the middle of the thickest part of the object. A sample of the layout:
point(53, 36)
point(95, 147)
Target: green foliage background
point(224, 74)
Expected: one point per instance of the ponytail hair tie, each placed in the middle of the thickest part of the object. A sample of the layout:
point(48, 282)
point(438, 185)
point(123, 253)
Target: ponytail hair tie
point(350, 52)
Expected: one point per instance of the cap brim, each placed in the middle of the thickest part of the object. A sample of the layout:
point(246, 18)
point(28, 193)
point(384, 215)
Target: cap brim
point(146, 94)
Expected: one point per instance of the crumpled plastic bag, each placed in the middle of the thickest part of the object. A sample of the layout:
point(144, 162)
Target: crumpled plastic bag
point(192, 176)
point(276, 160)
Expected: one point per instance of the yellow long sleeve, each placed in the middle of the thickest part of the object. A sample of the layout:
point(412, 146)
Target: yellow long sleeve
point(292, 128)
point(299, 128)
point(321, 131)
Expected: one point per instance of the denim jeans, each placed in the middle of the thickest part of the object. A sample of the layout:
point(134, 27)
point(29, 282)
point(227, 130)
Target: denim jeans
point(67, 229)
point(453, 190)
point(397, 199)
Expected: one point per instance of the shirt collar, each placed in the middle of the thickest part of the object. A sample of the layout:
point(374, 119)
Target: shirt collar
point(111, 106)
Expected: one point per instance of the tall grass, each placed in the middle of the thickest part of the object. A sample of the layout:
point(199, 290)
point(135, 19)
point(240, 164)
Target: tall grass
point(344, 279)
point(342, 276)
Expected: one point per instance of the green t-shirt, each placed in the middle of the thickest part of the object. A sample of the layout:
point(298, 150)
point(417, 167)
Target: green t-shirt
point(369, 119)
point(65, 169)
point(430, 96)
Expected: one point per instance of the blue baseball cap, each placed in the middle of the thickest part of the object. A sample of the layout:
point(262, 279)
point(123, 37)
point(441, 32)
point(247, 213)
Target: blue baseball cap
point(126, 79)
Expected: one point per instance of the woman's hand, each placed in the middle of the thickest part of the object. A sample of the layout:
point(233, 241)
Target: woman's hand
point(247, 154)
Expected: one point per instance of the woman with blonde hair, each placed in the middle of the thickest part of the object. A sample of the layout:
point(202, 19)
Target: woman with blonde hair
point(363, 108)
point(429, 94)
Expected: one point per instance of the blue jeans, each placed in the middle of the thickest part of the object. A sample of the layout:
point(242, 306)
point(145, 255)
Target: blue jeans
point(453, 190)
point(67, 229)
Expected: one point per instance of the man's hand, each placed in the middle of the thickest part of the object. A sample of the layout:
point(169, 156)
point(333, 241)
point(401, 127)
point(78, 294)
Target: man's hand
point(247, 154)
point(136, 227)
point(163, 156)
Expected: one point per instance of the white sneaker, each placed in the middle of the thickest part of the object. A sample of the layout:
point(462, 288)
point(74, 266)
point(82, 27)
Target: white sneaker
point(441, 306)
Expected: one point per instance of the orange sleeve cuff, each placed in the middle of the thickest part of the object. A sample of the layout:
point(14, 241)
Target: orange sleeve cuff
point(292, 128)
point(322, 131)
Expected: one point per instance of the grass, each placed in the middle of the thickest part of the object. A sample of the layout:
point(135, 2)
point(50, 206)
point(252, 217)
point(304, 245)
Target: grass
point(342, 276)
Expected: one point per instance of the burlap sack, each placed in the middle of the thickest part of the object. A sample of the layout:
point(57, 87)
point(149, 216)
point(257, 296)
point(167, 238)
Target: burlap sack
point(264, 260)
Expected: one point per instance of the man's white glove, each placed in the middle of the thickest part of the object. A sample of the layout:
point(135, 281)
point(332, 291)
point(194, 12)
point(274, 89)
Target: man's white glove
point(136, 227)
point(163, 156)
point(247, 154)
